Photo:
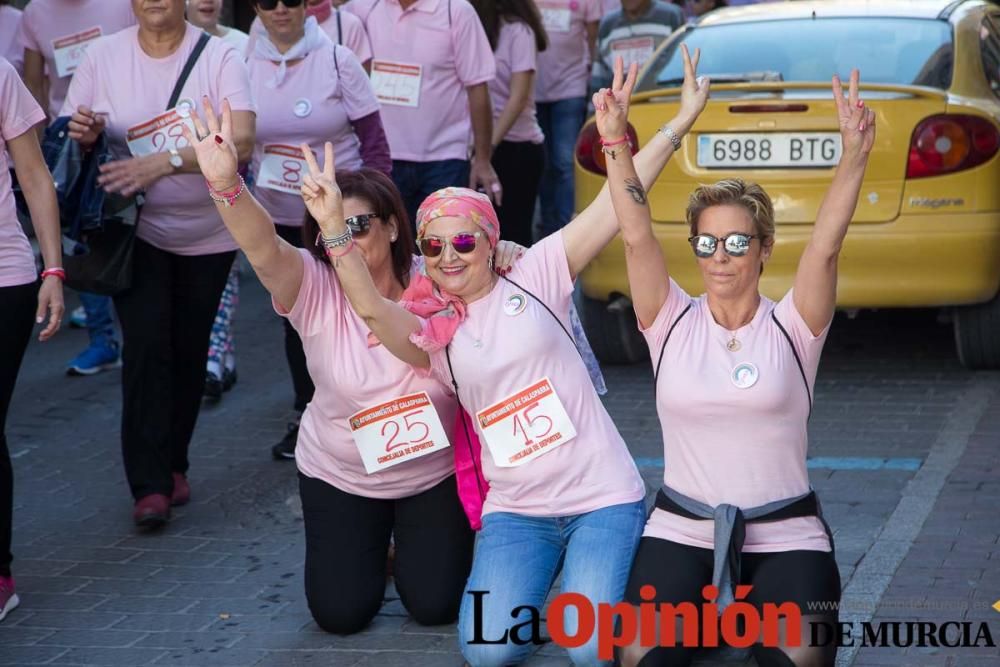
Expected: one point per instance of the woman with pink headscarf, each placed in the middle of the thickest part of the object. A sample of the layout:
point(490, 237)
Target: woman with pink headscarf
point(564, 492)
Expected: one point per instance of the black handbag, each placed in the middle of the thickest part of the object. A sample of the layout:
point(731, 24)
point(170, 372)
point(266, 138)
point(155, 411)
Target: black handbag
point(99, 259)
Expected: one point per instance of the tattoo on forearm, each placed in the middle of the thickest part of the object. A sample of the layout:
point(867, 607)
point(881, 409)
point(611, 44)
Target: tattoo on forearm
point(635, 189)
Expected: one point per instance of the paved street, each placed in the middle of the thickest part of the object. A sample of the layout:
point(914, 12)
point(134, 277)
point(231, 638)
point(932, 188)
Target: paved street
point(900, 432)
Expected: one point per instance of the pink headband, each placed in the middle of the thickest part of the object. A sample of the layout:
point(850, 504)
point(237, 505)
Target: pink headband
point(461, 203)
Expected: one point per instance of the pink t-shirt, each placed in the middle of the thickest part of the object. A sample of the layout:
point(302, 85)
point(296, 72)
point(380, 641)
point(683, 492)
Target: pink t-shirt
point(118, 79)
point(351, 376)
point(10, 46)
point(564, 67)
point(58, 28)
point(18, 114)
point(424, 59)
point(726, 444)
point(352, 35)
point(315, 103)
point(495, 355)
point(516, 52)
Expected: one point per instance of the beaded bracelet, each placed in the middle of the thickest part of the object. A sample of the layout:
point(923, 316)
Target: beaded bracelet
point(56, 271)
point(227, 197)
point(335, 242)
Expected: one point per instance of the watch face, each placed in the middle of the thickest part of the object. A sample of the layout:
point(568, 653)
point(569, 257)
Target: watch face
point(176, 160)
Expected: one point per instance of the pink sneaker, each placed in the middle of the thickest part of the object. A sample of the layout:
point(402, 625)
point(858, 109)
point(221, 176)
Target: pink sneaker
point(182, 491)
point(8, 598)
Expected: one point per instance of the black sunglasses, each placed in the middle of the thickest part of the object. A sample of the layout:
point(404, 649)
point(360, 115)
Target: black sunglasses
point(735, 244)
point(269, 5)
point(360, 224)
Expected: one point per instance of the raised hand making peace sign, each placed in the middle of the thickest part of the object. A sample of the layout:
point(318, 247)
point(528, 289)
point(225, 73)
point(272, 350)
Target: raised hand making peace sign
point(320, 191)
point(857, 122)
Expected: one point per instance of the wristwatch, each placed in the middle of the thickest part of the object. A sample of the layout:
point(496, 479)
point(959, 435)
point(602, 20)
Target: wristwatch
point(176, 161)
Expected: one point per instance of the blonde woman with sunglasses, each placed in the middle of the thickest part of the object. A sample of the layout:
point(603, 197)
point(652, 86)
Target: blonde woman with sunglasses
point(735, 374)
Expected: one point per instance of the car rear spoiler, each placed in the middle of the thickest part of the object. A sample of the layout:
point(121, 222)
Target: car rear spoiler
point(779, 86)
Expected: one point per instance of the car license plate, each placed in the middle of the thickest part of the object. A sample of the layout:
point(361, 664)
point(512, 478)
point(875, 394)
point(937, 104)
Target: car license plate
point(768, 150)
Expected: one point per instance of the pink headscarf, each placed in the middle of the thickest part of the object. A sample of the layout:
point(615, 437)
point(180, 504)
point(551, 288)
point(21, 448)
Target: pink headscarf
point(443, 312)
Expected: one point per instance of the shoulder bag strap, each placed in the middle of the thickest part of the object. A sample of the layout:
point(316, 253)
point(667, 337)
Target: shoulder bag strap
point(188, 66)
point(558, 321)
point(659, 360)
point(340, 28)
point(798, 361)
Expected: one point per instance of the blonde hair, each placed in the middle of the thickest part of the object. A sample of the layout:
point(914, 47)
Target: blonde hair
point(734, 192)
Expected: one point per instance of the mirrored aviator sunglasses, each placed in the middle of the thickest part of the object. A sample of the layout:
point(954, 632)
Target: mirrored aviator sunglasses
point(735, 245)
point(270, 5)
point(463, 243)
point(360, 224)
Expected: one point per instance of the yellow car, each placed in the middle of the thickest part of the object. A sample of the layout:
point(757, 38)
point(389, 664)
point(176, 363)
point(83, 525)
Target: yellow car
point(927, 228)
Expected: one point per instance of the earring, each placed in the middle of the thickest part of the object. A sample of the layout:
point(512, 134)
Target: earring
point(490, 262)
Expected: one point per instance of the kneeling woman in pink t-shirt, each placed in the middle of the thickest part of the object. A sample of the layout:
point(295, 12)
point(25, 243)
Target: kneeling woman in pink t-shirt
point(735, 374)
point(564, 493)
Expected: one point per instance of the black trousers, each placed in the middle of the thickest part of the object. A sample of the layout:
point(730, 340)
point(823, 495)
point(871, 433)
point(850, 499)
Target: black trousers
point(519, 165)
point(347, 541)
point(301, 382)
point(678, 572)
point(166, 318)
point(17, 304)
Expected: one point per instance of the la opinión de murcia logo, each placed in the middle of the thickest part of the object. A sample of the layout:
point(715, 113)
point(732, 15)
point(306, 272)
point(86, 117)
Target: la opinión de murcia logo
point(739, 625)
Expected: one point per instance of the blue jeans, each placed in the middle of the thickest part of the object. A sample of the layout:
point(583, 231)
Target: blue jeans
point(416, 180)
point(561, 122)
point(518, 559)
point(100, 321)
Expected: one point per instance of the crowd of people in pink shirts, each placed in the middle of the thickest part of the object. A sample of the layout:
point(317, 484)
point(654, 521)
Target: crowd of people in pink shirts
point(447, 404)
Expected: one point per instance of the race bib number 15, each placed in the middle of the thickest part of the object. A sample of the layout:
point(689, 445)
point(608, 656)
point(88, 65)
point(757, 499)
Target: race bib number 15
point(526, 425)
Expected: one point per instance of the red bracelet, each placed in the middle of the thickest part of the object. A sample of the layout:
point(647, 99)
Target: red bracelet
point(56, 271)
point(605, 142)
point(226, 197)
point(342, 251)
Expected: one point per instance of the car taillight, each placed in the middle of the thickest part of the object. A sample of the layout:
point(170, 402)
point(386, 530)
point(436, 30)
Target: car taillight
point(588, 148)
point(951, 142)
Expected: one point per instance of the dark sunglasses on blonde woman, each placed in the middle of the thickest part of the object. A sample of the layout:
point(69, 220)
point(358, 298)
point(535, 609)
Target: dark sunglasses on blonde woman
point(269, 5)
point(463, 243)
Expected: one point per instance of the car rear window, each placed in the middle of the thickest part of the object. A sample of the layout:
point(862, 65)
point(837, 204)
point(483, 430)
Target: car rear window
point(886, 50)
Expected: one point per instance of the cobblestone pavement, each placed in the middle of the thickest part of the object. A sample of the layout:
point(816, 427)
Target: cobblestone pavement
point(900, 430)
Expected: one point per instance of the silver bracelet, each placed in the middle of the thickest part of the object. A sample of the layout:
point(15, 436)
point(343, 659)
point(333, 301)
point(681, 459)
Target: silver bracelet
point(670, 134)
point(336, 241)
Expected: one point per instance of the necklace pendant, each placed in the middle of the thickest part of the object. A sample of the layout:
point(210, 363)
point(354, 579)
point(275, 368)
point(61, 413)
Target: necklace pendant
point(733, 345)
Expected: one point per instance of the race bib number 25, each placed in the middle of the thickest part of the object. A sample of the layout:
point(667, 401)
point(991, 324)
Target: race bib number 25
point(397, 431)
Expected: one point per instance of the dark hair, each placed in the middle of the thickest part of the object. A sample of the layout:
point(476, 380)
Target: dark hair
point(378, 190)
point(491, 11)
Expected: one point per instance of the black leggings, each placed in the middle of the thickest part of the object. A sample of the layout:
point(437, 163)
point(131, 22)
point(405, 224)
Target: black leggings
point(17, 304)
point(347, 542)
point(679, 572)
point(301, 381)
point(519, 166)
